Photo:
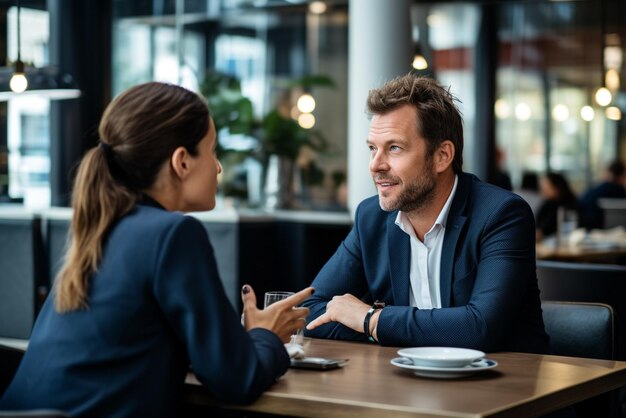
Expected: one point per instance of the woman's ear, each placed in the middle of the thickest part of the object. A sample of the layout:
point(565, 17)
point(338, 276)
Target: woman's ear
point(180, 162)
point(444, 156)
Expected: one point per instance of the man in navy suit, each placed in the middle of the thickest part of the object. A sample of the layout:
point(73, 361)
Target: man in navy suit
point(438, 258)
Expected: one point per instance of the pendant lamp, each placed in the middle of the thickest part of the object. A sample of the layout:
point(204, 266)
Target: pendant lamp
point(21, 80)
point(603, 95)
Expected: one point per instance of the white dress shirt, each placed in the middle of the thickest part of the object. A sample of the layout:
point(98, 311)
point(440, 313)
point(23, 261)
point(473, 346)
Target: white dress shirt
point(424, 271)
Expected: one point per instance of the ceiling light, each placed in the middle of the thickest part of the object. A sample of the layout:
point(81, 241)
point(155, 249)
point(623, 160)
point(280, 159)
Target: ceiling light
point(522, 112)
point(306, 120)
point(43, 82)
point(502, 109)
point(317, 7)
point(306, 103)
point(23, 80)
point(587, 113)
point(611, 79)
point(560, 113)
point(613, 113)
point(603, 96)
point(419, 62)
point(18, 82)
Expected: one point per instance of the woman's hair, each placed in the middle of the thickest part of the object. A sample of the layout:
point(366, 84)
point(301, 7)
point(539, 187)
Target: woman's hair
point(438, 118)
point(617, 170)
point(530, 181)
point(139, 131)
point(565, 194)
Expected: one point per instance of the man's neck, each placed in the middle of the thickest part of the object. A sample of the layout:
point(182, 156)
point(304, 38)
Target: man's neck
point(423, 219)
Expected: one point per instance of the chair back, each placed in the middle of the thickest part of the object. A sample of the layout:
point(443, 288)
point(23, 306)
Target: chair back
point(614, 212)
point(22, 271)
point(583, 330)
point(10, 359)
point(56, 228)
point(583, 282)
point(580, 329)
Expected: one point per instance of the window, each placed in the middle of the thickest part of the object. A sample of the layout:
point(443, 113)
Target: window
point(28, 117)
point(547, 118)
point(267, 47)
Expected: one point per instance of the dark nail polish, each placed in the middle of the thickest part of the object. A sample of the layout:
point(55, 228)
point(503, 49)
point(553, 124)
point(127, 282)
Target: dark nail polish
point(245, 290)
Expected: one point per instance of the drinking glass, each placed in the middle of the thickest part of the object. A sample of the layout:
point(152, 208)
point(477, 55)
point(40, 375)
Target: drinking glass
point(567, 222)
point(275, 296)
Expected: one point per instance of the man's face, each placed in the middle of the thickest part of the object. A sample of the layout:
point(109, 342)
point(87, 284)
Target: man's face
point(402, 170)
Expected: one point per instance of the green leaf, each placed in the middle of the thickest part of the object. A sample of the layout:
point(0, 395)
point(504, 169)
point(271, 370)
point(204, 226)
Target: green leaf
point(315, 80)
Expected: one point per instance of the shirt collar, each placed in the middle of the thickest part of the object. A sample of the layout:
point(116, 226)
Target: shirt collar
point(442, 219)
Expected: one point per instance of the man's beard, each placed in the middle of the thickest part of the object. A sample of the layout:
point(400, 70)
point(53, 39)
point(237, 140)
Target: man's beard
point(416, 195)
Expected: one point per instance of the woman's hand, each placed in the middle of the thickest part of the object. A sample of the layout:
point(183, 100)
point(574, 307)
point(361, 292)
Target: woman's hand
point(283, 317)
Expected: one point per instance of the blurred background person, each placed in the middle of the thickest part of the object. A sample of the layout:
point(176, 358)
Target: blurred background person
point(529, 190)
point(500, 177)
point(592, 216)
point(556, 193)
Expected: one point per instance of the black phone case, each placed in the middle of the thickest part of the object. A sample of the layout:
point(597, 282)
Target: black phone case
point(317, 363)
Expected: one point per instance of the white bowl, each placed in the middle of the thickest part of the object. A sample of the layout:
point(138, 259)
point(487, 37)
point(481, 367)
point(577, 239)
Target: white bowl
point(441, 356)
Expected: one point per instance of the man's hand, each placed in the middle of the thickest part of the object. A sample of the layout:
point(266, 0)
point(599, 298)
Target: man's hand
point(347, 310)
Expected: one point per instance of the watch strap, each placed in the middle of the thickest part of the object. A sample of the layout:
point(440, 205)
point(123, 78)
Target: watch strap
point(366, 322)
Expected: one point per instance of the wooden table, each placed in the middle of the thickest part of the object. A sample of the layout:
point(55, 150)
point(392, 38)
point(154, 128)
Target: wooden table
point(523, 385)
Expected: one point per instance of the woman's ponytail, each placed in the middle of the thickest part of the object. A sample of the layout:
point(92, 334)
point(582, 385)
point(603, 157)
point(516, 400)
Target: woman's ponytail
point(139, 131)
point(98, 200)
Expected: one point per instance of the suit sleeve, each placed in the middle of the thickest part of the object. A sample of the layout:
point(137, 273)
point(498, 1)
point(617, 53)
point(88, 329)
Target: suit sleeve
point(501, 281)
point(342, 274)
point(235, 365)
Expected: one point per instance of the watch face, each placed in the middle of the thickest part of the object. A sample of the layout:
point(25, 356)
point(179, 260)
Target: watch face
point(378, 305)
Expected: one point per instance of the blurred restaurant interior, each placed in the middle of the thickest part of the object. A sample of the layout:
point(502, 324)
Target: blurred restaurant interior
point(526, 73)
point(539, 85)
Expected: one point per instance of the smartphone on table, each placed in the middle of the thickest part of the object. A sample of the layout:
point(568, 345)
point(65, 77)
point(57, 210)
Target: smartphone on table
point(317, 363)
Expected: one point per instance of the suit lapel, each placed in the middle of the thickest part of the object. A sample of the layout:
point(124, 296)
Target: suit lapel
point(399, 261)
point(454, 226)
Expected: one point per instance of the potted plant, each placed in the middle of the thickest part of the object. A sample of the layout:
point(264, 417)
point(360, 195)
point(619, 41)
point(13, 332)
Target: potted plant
point(232, 114)
point(282, 139)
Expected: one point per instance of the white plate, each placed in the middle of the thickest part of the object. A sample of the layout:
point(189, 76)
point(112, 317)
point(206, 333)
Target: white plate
point(444, 372)
point(441, 356)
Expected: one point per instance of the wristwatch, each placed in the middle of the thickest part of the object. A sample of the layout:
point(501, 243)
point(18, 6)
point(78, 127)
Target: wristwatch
point(366, 322)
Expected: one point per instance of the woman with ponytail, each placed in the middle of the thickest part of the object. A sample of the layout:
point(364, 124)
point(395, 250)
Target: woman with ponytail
point(139, 297)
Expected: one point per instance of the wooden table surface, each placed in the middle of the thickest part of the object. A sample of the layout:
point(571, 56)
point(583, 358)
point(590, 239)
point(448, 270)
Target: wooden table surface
point(523, 385)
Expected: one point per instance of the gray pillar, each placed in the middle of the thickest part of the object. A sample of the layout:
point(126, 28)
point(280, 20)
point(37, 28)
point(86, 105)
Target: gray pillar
point(486, 54)
point(380, 49)
point(77, 29)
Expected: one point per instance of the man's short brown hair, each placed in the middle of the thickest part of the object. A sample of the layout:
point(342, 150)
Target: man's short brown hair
point(438, 117)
